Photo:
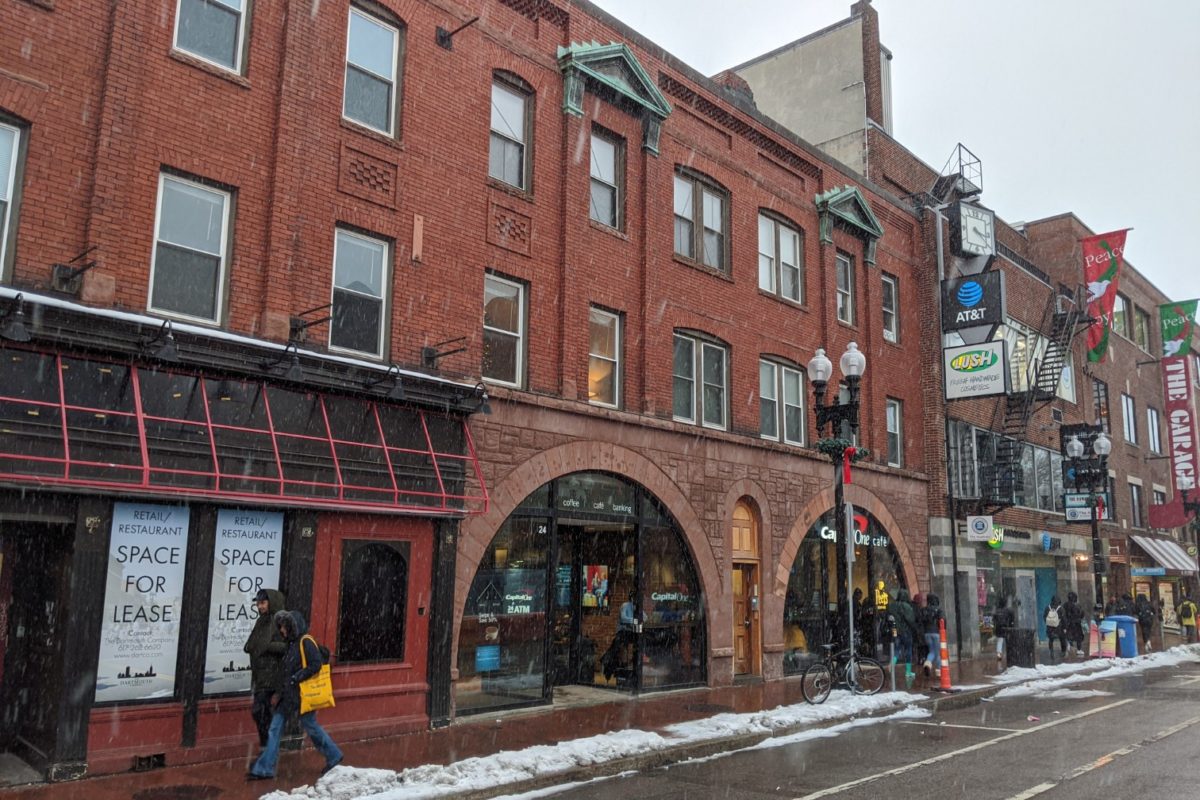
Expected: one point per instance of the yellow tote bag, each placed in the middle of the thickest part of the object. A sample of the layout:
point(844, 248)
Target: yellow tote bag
point(316, 692)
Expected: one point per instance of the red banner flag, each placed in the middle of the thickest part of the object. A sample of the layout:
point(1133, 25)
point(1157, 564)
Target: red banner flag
point(1102, 257)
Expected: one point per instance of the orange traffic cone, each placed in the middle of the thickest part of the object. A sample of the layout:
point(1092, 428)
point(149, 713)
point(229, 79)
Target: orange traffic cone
point(1093, 650)
point(945, 658)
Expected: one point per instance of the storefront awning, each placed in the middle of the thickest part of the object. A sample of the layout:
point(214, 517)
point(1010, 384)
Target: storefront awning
point(67, 421)
point(1167, 553)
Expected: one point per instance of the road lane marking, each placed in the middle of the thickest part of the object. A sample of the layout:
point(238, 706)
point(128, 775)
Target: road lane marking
point(1105, 760)
point(961, 751)
point(968, 727)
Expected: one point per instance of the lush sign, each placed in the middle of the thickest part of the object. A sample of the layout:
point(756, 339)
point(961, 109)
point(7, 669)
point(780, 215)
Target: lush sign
point(977, 370)
point(143, 597)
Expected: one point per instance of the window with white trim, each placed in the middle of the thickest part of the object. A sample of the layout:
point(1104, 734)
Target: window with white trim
point(503, 331)
point(845, 288)
point(780, 259)
point(701, 219)
point(1152, 428)
point(890, 300)
point(507, 156)
point(1141, 328)
point(895, 432)
point(212, 30)
point(10, 144)
point(1120, 316)
point(372, 60)
point(607, 180)
point(1136, 515)
point(604, 357)
point(1129, 418)
point(781, 402)
point(360, 276)
point(191, 235)
point(700, 377)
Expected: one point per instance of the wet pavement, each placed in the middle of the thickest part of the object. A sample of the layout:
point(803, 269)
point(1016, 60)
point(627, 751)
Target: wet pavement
point(577, 712)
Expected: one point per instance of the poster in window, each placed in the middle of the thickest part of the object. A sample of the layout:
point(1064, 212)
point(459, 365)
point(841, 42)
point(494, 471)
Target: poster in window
point(595, 586)
point(246, 558)
point(143, 598)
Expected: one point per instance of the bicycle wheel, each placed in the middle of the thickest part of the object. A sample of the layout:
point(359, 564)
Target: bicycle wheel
point(816, 683)
point(868, 677)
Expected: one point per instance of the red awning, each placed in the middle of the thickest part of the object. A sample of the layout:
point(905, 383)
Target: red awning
point(89, 423)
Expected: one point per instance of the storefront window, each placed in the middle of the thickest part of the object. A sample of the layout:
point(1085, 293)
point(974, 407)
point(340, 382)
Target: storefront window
point(811, 616)
point(501, 649)
point(672, 638)
point(588, 582)
point(371, 612)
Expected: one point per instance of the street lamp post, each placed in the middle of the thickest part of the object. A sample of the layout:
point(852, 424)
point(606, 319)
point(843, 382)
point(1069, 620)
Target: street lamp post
point(1097, 471)
point(820, 370)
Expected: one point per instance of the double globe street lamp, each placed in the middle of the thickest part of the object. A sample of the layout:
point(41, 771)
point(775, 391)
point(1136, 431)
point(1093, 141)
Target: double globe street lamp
point(820, 369)
point(1094, 471)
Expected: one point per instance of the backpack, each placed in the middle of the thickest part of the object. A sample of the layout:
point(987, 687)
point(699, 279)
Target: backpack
point(1052, 620)
point(1187, 612)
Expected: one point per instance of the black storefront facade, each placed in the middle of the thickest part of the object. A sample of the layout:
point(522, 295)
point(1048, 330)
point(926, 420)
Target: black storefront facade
point(588, 582)
point(152, 477)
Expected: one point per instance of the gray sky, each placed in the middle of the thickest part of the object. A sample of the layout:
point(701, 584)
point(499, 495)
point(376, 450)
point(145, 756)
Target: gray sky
point(1090, 106)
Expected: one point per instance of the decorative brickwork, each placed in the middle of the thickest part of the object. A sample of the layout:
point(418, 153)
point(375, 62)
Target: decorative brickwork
point(368, 177)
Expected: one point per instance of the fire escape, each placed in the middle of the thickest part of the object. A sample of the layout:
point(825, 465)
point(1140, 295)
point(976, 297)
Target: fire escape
point(1003, 479)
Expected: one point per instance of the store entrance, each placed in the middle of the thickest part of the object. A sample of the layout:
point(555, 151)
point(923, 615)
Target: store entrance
point(596, 613)
point(33, 579)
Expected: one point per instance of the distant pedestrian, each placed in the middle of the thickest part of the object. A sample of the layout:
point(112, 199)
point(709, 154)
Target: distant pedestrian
point(1003, 619)
point(1146, 614)
point(929, 619)
point(292, 628)
point(1055, 629)
point(1125, 606)
point(906, 633)
point(1187, 618)
point(266, 648)
point(1073, 623)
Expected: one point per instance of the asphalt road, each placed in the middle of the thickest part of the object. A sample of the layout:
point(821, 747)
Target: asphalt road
point(1139, 741)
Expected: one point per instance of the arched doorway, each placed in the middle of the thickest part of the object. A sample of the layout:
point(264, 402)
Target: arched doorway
point(811, 616)
point(589, 581)
point(744, 538)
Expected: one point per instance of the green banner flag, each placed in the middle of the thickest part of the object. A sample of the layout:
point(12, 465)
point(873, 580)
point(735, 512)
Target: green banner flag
point(1176, 319)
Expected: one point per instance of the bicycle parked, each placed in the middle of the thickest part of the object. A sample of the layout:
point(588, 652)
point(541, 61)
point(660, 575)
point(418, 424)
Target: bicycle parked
point(860, 674)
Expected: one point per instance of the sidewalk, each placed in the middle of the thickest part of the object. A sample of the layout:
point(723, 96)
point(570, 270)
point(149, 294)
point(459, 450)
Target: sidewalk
point(578, 712)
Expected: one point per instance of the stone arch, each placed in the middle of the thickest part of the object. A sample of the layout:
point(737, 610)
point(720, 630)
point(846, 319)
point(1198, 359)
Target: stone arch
point(821, 503)
point(476, 533)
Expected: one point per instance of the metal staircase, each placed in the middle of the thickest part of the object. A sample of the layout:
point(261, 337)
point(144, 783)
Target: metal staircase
point(1003, 479)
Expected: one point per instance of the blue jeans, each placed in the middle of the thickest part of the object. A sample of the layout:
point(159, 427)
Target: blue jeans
point(265, 765)
point(904, 648)
point(934, 642)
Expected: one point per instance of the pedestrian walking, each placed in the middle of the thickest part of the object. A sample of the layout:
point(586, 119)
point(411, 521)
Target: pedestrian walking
point(906, 633)
point(1003, 619)
point(266, 648)
point(1124, 606)
point(1054, 618)
point(292, 628)
point(1187, 618)
point(1146, 613)
point(1073, 623)
point(929, 618)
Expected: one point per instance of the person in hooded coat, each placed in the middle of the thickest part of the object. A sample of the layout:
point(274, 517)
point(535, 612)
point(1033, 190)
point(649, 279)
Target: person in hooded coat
point(1054, 618)
point(292, 628)
point(1073, 620)
point(1003, 619)
point(266, 648)
point(906, 632)
point(1146, 614)
point(929, 619)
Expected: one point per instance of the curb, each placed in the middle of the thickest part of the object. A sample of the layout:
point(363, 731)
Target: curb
point(711, 747)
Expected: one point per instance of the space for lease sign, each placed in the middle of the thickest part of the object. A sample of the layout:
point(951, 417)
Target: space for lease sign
point(143, 597)
point(975, 370)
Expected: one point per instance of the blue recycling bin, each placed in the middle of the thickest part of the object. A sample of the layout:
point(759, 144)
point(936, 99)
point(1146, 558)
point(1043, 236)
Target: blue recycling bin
point(1127, 635)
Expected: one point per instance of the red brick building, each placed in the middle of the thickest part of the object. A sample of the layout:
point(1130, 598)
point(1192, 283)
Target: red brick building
point(261, 263)
point(1003, 455)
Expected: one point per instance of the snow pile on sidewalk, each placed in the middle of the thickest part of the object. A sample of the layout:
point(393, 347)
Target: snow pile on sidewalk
point(1047, 678)
point(512, 766)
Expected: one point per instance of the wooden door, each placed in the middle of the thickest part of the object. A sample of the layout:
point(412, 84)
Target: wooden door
point(744, 546)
